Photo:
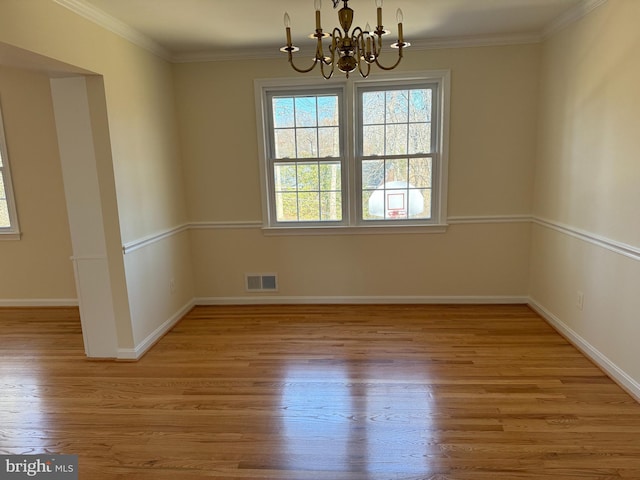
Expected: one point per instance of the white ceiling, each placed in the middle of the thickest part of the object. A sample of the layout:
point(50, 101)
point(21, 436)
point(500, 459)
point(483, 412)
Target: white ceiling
point(184, 29)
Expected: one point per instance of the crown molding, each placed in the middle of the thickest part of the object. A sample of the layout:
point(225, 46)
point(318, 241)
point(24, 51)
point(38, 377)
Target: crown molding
point(114, 25)
point(576, 13)
point(476, 41)
point(260, 53)
point(449, 42)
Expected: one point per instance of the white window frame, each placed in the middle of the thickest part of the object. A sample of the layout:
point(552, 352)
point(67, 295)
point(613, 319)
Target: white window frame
point(352, 221)
point(270, 158)
point(12, 232)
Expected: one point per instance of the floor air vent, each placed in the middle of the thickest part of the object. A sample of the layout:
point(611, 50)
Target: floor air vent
point(265, 282)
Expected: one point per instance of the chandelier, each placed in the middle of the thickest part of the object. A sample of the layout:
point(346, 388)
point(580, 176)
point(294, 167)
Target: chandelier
point(348, 49)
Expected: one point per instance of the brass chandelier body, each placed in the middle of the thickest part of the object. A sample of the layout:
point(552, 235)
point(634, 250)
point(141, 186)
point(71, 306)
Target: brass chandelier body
point(349, 50)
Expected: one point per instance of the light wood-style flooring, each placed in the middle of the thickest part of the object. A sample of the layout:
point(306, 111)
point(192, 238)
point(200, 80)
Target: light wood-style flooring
point(384, 392)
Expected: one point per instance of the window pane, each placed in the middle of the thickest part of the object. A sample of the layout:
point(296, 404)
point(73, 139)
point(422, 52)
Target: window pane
point(420, 204)
point(4, 209)
point(373, 108)
point(306, 115)
point(329, 139)
point(285, 141)
point(419, 138)
point(283, 112)
point(331, 206)
point(287, 207)
point(366, 199)
point(328, 111)
point(285, 177)
point(309, 206)
point(372, 173)
point(397, 170)
point(4, 214)
point(396, 140)
point(373, 140)
point(420, 105)
point(420, 172)
point(308, 191)
point(308, 177)
point(330, 177)
point(307, 142)
point(397, 106)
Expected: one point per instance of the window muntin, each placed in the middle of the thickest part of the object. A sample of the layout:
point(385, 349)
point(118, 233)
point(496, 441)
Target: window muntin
point(8, 217)
point(305, 157)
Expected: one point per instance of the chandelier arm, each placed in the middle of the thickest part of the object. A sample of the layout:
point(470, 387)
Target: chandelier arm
point(336, 41)
point(394, 65)
point(377, 45)
point(363, 45)
point(357, 39)
point(361, 54)
point(337, 35)
point(302, 70)
point(319, 50)
point(363, 74)
point(330, 74)
point(332, 49)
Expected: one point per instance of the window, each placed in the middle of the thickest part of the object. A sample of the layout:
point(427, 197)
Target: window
point(8, 218)
point(362, 153)
point(306, 156)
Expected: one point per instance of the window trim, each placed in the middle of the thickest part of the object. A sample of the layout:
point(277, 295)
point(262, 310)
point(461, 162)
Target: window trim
point(351, 223)
point(12, 232)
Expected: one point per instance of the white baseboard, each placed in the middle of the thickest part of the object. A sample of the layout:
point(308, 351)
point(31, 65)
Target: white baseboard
point(144, 346)
point(610, 368)
point(39, 302)
point(364, 300)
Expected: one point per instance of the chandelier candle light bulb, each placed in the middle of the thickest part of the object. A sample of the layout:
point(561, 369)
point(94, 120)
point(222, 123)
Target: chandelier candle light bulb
point(349, 49)
point(318, 5)
point(287, 25)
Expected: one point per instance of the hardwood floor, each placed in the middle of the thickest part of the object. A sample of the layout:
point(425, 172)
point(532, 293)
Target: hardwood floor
point(319, 393)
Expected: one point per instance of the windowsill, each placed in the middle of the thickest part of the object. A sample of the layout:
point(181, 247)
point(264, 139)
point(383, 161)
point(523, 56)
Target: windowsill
point(10, 236)
point(356, 230)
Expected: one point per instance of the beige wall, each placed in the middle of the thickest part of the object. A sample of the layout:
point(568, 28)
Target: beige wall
point(37, 267)
point(587, 184)
point(143, 153)
point(492, 145)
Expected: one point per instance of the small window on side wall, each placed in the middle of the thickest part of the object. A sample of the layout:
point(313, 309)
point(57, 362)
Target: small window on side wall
point(9, 229)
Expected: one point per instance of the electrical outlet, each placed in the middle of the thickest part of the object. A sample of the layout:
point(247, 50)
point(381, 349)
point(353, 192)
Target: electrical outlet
point(579, 300)
point(172, 285)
